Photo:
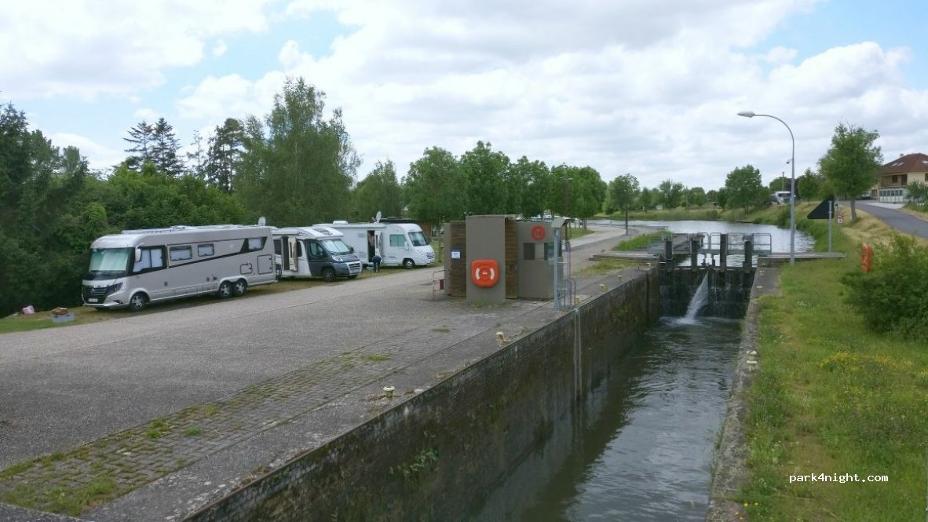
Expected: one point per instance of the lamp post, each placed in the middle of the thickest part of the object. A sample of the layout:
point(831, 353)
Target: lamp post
point(792, 184)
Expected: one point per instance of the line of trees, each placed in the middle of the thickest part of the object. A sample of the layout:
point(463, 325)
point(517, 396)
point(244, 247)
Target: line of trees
point(296, 166)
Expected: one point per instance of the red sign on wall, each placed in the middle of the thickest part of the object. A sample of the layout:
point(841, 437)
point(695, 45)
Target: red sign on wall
point(538, 232)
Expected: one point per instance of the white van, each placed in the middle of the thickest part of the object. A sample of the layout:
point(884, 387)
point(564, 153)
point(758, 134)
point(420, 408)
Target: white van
point(138, 267)
point(398, 244)
point(317, 251)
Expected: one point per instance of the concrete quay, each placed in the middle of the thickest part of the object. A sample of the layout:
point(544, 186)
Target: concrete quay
point(151, 417)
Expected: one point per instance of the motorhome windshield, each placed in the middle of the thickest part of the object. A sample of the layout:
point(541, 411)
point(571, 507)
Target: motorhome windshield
point(418, 239)
point(335, 247)
point(107, 263)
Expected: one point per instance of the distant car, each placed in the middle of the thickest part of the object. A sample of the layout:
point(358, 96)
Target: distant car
point(781, 197)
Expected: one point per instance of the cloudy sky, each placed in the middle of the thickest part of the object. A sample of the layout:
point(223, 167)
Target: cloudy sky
point(650, 87)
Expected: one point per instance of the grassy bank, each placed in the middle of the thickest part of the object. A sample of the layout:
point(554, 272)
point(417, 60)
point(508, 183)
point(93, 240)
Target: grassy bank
point(639, 242)
point(833, 397)
point(765, 215)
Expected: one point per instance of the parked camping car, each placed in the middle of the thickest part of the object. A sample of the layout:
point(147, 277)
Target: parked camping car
point(316, 251)
point(138, 267)
point(396, 243)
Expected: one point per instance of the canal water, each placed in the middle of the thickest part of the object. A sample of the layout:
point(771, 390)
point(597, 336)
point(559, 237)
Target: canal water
point(640, 445)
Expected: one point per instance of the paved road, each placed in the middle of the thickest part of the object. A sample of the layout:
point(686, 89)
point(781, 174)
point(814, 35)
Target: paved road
point(896, 219)
point(66, 386)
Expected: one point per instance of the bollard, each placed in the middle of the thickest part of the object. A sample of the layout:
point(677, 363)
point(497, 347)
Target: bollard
point(723, 250)
point(748, 254)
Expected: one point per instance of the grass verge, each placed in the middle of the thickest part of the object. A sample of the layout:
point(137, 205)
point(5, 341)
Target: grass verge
point(639, 242)
point(833, 397)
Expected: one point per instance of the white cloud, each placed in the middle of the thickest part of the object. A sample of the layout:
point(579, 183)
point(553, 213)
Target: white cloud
point(220, 48)
point(146, 114)
point(92, 47)
point(98, 156)
point(650, 88)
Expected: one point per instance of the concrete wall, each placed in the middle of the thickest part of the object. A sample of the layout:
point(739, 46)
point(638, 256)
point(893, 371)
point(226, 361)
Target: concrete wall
point(439, 455)
point(729, 291)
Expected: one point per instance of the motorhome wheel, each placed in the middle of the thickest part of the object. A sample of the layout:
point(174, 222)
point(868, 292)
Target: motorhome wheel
point(328, 274)
point(408, 263)
point(239, 288)
point(225, 290)
point(138, 302)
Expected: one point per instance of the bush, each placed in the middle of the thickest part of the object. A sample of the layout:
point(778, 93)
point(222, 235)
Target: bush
point(894, 296)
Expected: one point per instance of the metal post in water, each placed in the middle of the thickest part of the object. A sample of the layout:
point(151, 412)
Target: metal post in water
point(557, 267)
point(694, 253)
point(748, 254)
point(723, 250)
point(668, 253)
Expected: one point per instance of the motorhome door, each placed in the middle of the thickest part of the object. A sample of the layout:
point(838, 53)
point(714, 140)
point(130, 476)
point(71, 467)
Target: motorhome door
point(293, 253)
point(371, 245)
point(316, 256)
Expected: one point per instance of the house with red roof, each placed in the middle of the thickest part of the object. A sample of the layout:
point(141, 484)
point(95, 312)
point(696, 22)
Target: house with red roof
point(895, 175)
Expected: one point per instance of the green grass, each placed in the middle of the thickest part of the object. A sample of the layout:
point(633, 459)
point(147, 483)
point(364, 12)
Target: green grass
point(608, 265)
point(674, 214)
point(193, 431)
point(833, 397)
point(574, 233)
point(639, 242)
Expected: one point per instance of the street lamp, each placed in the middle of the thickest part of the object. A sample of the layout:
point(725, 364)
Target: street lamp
point(792, 184)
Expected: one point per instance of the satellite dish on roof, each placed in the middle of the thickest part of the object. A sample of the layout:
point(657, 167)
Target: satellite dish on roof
point(377, 217)
point(261, 221)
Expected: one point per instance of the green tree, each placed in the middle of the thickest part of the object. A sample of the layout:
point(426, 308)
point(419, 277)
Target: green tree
point(779, 183)
point(812, 185)
point(487, 188)
point(671, 194)
point(47, 217)
point(197, 156)
point(435, 187)
point(535, 180)
point(713, 196)
point(647, 199)
point(918, 191)
point(851, 164)
point(164, 147)
point(378, 192)
point(623, 191)
point(576, 191)
point(140, 142)
point(224, 157)
point(297, 167)
point(744, 189)
point(696, 197)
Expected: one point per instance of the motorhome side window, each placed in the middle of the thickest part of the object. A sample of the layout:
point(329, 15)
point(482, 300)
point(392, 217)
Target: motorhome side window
point(254, 243)
point(277, 246)
point(205, 250)
point(152, 258)
point(397, 240)
point(181, 253)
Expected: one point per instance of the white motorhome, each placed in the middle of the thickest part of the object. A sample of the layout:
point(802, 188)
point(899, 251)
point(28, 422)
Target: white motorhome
point(138, 267)
point(398, 244)
point(317, 251)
